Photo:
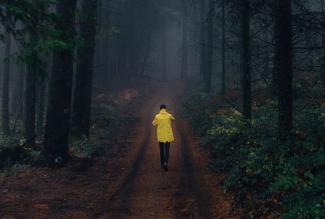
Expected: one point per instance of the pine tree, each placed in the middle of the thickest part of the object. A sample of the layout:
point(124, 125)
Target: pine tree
point(60, 88)
point(5, 87)
point(85, 69)
point(246, 59)
point(283, 64)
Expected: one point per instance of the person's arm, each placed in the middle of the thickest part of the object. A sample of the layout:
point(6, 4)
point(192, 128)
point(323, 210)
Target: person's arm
point(172, 117)
point(155, 121)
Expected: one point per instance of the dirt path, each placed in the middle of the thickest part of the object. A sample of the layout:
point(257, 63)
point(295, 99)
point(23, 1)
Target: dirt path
point(182, 192)
point(130, 186)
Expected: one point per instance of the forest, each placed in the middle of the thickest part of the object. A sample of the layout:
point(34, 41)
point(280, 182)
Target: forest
point(82, 80)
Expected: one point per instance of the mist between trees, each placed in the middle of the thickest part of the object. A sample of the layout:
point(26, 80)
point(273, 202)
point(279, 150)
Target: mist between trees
point(229, 44)
point(57, 54)
point(53, 50)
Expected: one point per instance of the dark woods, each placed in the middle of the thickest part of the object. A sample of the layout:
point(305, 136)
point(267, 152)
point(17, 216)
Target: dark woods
point(255, 71)
point(46, 35)
point(55, 52)
point(261, 109)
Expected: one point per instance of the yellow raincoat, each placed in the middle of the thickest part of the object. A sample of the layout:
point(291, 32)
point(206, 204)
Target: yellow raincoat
point(163, 122)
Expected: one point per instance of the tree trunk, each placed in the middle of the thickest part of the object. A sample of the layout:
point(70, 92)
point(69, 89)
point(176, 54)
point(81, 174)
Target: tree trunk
point(29, 104)
point(102, 53)
point(202, 39)
point(19, 93)
point(104, 23)
point(146, 53)
point(164, 54)
point(223, 50)
point(283, 54)
point(17, 90)
point(5, 87)
point(105, 61)
point(322, 73)
point(210, 44)
point(246, 59)
point(85, 69)
point(58, 113)
point(41, 89)
point(184, 65)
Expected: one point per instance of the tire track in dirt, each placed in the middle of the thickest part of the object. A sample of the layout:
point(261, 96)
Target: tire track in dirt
point(192, 197)
point(118, 204)
point(132, 184)
point(121, 196)
point(153, 196)
point(193, 201)
point(147, 191)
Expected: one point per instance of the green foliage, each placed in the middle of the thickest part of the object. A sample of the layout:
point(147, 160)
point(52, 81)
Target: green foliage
point(109, 120)
point(265, 172)
point(33, 155)
point(11, 151)
point(109, 123)
point(35, 28)
point(9, 141)
point(198, 109)
point(15, 170)
point(14, 153)
point(85, 147)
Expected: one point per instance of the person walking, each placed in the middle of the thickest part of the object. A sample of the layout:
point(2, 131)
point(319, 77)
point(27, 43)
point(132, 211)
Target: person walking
point(163, 121)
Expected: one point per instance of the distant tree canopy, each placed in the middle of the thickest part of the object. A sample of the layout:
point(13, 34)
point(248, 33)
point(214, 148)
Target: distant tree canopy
point(257, 68)
point(231, 45)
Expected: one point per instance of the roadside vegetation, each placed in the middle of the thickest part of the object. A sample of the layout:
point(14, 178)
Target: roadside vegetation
point(112, 119)
point(269, 175)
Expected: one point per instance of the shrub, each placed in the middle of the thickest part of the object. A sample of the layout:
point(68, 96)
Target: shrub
point(85, 148)
point(11, 151)
point(200, 110)
point(265, 172)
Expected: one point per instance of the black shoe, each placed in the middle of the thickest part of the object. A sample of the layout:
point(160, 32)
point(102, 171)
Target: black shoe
point(166, 168)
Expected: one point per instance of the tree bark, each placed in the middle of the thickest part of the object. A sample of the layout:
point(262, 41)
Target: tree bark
point(322, 73)
point(246, 59)
point(146, 53)
point(17, 90)
point(58, 113)
point(5, 87)
point(283, 54)
point(41, 90)
point(29, 104)
point(85, 69)
point(104, 25)
point(223, 49)
point(164, 54)
point(19, 94)
point(210, 44)
point(202, 39)
point(184, 65)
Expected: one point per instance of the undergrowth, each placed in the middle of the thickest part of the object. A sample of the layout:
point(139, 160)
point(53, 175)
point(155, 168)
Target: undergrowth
point(110, 121)
point(268, 175)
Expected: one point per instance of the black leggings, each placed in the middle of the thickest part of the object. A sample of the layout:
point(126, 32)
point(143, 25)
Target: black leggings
point(164, 152)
